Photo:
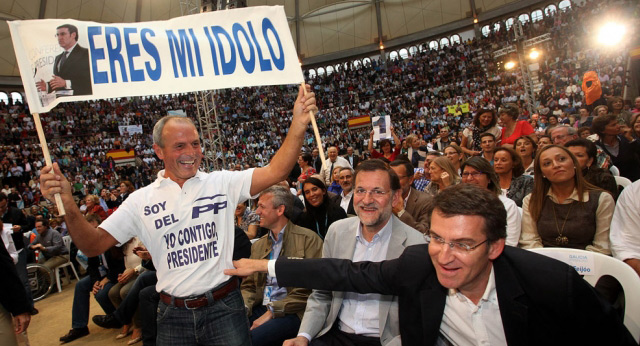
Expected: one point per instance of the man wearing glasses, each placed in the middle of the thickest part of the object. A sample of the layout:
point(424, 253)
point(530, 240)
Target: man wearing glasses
point(339, 318)
point(473, 290)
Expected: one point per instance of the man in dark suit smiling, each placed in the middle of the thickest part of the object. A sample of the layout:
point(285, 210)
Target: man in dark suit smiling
point(465, 287)
point(71, 73)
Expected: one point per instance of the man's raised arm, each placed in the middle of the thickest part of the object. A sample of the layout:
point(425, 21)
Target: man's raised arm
point(283, 161)
point(92, 241)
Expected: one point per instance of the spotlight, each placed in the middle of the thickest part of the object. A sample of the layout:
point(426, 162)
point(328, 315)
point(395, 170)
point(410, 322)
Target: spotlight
point(534, 54)
point(475, 20)
point(509, 65)
point(611, 34)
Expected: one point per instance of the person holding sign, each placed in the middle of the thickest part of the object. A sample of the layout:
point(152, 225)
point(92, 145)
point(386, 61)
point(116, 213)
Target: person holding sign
point(71, 74)
point(185, 218)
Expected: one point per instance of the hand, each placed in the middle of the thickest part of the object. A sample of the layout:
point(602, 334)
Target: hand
point(418, 175)
point(371, 134)
point(96, 287)
point(246, 267)
point(144, 254)
point(52, 181)
point(21, 322)
point(37, 247)
point(445, 178)
point(626, 132)
point(125, 276)
point(41, 85)
point(261, 320)
point(304, 104)
point(397, 206)
point(16, 228)
point(298, 341)
point(58, 83)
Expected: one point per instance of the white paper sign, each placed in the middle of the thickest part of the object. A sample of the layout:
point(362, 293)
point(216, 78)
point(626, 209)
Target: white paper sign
point(381, 127)
point(65, 60)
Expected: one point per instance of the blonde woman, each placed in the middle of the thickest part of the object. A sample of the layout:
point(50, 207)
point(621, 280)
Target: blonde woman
point(443, 174)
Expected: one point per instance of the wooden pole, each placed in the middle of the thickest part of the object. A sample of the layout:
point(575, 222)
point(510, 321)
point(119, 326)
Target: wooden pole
point(47, 158)
point(316, 132)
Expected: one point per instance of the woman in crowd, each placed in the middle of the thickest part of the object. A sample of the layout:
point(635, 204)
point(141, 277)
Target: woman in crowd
point(478, 171)
point(247, 220)
point(623, 149)
point(585, 152)
point(512, 129)
point(385, 147)
point(92, 202)
point(513, 182)
point(564, 210)
point(526, 147)
point(601, 110)
point(335, 186)
point(552, 122)
point(635, 126)
point(454, 153)
point(319, 211)
point(584, 132)
point(484, 121)
point(305, 161)
point(442, 174)
point(117, 293)
point(616, 107)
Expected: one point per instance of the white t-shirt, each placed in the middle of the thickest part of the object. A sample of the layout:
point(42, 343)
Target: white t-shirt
point(189, 232)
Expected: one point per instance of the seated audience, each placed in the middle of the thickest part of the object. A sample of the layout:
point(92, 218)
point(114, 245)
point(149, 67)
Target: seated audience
point(319, 211)
point(564, 210)
point(513, 182)
point(585, 152)
point(442, 174)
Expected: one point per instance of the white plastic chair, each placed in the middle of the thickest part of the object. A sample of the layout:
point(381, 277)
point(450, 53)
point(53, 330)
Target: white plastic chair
point(67, 243)
point(622, 181)
point(606, 265)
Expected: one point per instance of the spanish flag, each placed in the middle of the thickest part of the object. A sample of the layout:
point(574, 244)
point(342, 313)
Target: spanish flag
point(361, 121)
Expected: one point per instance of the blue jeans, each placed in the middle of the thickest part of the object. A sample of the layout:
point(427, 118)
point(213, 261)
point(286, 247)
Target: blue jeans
point(148, 307)
point(221, 323)
point(80, 310)
point(275, 331)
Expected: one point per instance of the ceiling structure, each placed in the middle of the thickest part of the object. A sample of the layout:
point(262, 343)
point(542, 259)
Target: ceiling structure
point(323, 30)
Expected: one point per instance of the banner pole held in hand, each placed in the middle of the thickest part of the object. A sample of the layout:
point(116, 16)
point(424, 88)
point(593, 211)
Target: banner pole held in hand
point(47, 158)
point(315, 131)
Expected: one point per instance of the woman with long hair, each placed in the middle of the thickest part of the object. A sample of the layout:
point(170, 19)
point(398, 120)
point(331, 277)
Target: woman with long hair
point(478, 171)
point(509, 168)
point(247, 219)
point(456, 156)
point(526, 147)
point(305, 161)
point(388, 151)
point(576, 214)
point(586, 153)
point(484, 121)
point(512, 128)
point(443, 174)
point(319, 212)
point(623, 149)
point(616, 107)
point(635, 126)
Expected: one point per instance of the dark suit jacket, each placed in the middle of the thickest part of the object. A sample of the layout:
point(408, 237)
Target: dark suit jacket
point(12, 295)
point(15, 217)
point(542, 301)
point(76, 69)
point(356, 160)
point(337, 199)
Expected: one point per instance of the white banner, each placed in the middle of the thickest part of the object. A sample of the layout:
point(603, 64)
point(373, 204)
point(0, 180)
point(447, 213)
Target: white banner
point(129, 129)
point(214, 50)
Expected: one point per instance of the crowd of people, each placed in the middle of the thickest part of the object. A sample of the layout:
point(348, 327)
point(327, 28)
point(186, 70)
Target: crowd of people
point(558, 172)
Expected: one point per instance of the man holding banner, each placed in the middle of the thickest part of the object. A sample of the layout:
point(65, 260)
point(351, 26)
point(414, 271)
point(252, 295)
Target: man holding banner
point(186, 220)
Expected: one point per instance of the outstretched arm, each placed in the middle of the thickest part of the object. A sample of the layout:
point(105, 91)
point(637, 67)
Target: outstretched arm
point(283, 161)
point(92, 241)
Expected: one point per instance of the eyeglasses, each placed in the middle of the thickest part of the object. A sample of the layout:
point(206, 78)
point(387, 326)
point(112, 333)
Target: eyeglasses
point(471, 174)
point(360, 192)
point(454, 245)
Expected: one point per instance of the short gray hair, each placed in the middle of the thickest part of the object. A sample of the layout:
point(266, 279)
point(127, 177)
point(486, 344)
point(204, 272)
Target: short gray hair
point(281, 196)
point(571, 131)
point(159, 126)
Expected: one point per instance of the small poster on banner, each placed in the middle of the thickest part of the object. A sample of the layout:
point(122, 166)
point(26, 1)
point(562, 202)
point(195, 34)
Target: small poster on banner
point(381, 127)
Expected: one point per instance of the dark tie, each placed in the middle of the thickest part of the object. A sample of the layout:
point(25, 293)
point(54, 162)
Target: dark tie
point(63, 59)
point(331, 173)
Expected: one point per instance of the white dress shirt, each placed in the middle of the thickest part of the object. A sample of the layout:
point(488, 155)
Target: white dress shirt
point(465, 323)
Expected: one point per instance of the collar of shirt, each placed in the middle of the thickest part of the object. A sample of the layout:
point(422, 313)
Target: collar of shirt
point(572, 197)
point(348, 196)
point(164, 180)
point(382, 235)
point(489, 295)
point(71, 49)
point(406, 199)
point(280, 236)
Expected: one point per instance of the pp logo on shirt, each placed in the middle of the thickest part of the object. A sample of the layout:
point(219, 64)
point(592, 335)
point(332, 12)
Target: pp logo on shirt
point(205, 208)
